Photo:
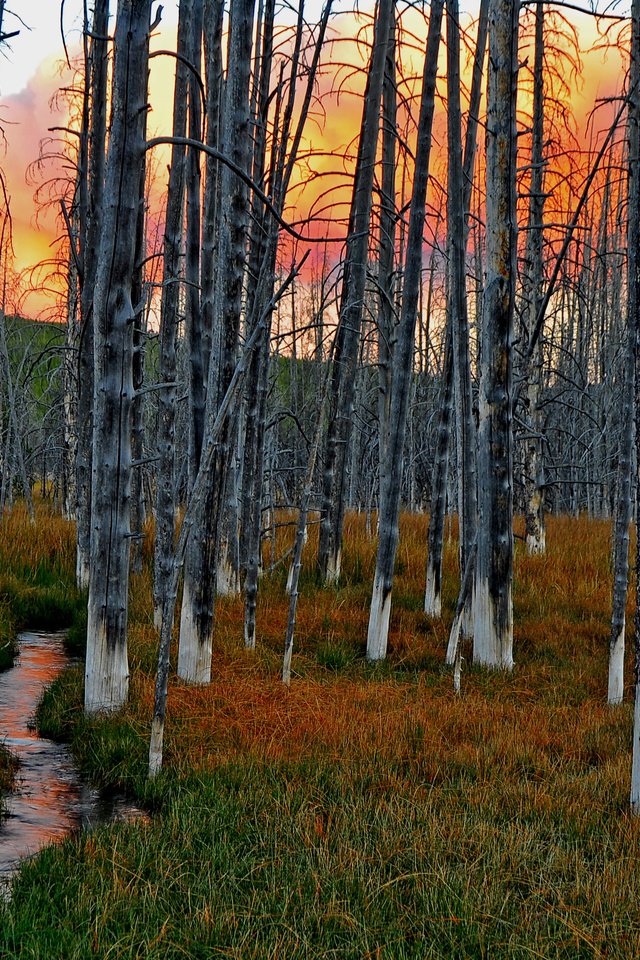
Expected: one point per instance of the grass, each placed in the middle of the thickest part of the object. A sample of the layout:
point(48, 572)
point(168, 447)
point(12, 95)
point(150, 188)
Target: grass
point(367, 811)
point(37, 584)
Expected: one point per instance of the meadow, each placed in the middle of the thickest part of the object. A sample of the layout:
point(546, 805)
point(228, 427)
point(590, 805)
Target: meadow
point(366, 811)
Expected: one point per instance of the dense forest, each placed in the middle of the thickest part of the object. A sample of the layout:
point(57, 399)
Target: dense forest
point(292, 361)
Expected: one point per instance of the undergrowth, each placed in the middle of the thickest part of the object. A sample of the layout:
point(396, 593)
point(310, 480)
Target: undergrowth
point(37, 584)
point(367, 811)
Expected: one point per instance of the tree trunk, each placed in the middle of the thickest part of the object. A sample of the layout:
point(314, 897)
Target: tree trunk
point(169, 307)
point(493, 636)
point(634, 325)
point(624, 503)
point(386, 279)
point(433, 599)
point(351, 308)
point(90, 234)
point(433, 589)
point(196, 624)
point(193, 317)
point(262, 265)
point(533, 293)
point(457, 296)
point(107, 671)
point(403, 358)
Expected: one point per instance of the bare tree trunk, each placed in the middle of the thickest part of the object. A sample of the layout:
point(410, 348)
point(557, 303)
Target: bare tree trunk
point(70, 396)
point(493, 637)
point(533, 292)
point(90, 233)
point(263, 266)
point(433, 598)
point(196, 624)
point(386, 284)
point(107, 671)
point(433, 589)
point(169, 306)
point(626, 452)
point(457, 295)
point(193, 316)
point(403, 358)
point(634, 325)
point(351, 307)
point(139, 330)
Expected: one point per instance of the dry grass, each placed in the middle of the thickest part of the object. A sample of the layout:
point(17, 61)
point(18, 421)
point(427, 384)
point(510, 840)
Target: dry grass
point(541, 739)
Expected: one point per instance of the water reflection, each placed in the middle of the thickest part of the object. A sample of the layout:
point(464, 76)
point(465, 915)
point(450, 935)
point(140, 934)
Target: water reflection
point(51, 799)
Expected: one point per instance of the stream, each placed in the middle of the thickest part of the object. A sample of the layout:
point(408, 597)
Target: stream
point(50, 799)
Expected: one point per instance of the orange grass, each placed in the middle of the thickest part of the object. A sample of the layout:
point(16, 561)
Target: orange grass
point(544, 732)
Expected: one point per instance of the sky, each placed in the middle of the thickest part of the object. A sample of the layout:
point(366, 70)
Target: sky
point(31, 72)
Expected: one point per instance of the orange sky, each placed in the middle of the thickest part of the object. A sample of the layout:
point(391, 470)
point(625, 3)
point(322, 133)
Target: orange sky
point(28, 115)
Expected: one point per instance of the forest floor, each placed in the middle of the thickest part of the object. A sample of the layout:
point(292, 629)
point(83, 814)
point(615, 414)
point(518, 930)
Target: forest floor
point(367, 811)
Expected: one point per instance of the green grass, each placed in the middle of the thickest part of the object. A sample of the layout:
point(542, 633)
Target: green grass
point(303, 861)
point(8, 767)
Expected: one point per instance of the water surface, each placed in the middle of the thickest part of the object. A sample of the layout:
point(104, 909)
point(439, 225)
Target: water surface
point(51, 799)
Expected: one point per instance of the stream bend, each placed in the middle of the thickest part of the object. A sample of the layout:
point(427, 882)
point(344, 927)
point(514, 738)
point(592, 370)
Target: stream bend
point(50, 799)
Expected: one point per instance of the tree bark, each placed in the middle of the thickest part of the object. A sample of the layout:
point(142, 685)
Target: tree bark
point(457, 296)
point(533, 292)
point(433, 598)
point(493, 635)
point(90, 234)
point(196, 624)
point(169, 309)
point(634, 325)
point(386, 278)
point(351, 307)
point(624, 500)
point(107, 671)
point(403, 358)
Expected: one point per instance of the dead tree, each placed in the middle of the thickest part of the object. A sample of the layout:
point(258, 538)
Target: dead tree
point(493, 633)
point(624, 500)
point(107, 671)
point(533, 292)
point(403, 357)
point(91, 176)
point(196, 624)
point(169, 309)
point(342, 389)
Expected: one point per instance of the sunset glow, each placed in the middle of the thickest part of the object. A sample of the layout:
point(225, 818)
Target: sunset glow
point(321, 188)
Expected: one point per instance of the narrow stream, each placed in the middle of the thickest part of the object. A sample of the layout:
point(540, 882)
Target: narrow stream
point(51, 799)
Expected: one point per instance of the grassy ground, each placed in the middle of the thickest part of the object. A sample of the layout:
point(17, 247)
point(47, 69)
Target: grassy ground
point(367, 811)
point(37, 586)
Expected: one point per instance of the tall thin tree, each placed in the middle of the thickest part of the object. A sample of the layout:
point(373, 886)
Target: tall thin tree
point(107, 670)
point(493, 633)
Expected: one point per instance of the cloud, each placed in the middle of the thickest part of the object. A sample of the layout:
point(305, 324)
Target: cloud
point(26, 119)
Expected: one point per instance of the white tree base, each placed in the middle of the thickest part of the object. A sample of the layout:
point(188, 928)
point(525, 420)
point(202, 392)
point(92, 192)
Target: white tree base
point(82, 573)
point(155, 748)
point(194, 652)
point(379, 616)
point(333, 568)
point(227, 582)
point(536, 544)
point(491, 647)
point(615, 692)
point(432, 600)
point(106, 679)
